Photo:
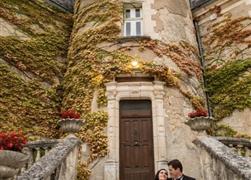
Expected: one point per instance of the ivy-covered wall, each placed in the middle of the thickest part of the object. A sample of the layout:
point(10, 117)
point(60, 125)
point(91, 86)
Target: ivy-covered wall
point(33, 48)
point(37, 80)
point(98, 53)
point(228, 63)
point(227, 53)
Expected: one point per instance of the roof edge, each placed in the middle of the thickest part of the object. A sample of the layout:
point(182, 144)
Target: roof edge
point(195, 4)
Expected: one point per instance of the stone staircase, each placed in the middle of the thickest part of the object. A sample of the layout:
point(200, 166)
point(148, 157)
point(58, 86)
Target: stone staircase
point(222, 158)
point(52, 159)
point(223, 161)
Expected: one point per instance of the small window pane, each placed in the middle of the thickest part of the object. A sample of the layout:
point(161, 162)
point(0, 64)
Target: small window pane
point(128, 13)
point(128, 29)
point(137, 12)
point(138, 28)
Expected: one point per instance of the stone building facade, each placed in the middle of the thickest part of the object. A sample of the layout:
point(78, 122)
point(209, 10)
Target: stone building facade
point(171, 23)
point(135, 71)
point(213, 14)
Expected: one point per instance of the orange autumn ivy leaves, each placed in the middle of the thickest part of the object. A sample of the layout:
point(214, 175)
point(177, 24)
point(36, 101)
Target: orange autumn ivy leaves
point(227, 40)
point(91, 65)
point(183, 54)
point(227, 46)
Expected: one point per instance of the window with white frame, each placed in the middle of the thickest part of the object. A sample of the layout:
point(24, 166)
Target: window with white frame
point(133, 21)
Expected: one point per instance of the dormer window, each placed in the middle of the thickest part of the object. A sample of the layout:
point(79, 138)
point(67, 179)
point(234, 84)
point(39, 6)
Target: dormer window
point(133, 21)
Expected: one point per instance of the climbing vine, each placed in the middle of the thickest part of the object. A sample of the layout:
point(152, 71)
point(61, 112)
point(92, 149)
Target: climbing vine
point(227, 40)
point(227, 74)
point(95, 124)
point(96, 56)
point(228, 63)
point(32, 66)
point(36, 66)
point(229, 88)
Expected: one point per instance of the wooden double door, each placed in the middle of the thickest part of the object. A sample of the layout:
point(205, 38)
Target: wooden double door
point(136, 140)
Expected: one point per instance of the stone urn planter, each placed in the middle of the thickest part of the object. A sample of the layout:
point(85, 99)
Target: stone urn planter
point(200, 123)
point(70, 125)
point(11, 162)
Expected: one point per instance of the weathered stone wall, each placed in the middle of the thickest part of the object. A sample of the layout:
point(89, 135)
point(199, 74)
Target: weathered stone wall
point(240, 121)
point(168, 51)
point(220, 162)
point(179, 136)
point(172, 20)
point(225, 30)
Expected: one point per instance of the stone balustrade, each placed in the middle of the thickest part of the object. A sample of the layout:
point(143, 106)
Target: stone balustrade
point(58, 163)
point(240, 145)
point(37, 149)
point(219, 162)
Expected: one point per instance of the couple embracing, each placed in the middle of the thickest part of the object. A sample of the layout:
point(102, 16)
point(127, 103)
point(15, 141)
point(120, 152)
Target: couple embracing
point(175, 172)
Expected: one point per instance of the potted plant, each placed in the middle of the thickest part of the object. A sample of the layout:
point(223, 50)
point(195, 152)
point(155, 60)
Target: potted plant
point(11, 156)
point(70, 121)
point(199, 120)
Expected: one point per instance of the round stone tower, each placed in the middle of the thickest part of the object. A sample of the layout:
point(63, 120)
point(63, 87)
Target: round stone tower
point(134, 74)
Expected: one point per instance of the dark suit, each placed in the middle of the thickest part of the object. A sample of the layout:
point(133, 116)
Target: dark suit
point(184, 178)
point(187, 178)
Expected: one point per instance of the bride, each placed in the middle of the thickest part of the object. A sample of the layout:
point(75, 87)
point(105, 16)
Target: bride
point(162, 174)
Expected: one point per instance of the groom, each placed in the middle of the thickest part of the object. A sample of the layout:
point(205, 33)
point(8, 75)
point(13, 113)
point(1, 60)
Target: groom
point(175, 170)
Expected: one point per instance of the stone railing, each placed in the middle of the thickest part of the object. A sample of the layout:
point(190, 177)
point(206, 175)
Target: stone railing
point(37, 149)
point(58, 163)
point(240, 145)
point(220, 162)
